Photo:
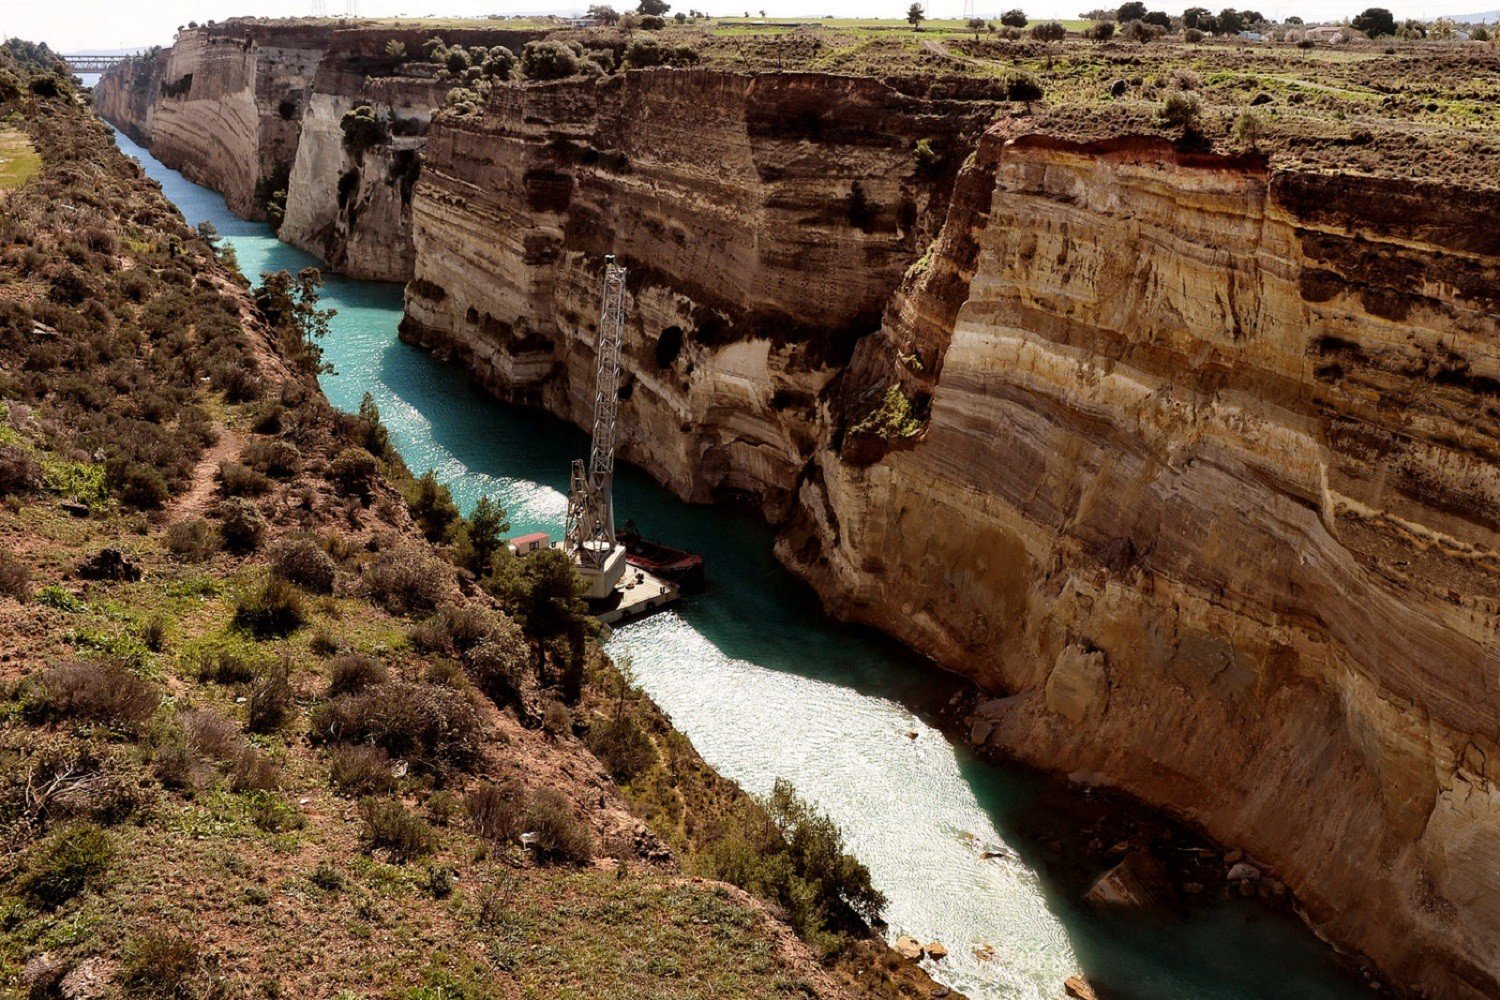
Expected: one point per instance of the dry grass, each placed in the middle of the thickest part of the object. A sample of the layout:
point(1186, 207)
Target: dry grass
point(19, 160)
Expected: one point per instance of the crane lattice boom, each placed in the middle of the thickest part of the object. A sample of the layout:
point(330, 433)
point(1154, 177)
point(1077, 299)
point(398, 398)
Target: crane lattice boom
point(591, 513)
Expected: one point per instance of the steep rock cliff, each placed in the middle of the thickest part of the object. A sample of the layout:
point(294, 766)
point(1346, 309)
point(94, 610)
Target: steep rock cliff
point(222, 105)
point(1195, 464)
point(1211, 489)
point(766, 220)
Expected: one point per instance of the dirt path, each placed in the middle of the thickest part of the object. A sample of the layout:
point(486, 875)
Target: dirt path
point(199, 496)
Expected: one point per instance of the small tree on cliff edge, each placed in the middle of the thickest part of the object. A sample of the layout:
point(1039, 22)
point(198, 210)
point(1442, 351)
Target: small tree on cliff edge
point(915, 15)
point(654, 8)
point(1014, 18)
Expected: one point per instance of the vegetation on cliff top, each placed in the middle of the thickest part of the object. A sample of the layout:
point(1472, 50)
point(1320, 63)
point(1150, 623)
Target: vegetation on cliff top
point(257, 733)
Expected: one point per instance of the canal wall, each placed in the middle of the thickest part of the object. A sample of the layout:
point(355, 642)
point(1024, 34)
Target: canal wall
point(1192, 463)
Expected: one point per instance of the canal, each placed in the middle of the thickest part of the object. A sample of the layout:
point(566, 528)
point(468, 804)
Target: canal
point(767, 687)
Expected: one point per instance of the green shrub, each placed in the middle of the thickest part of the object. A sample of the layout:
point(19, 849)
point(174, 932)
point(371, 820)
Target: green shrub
point(66, 863)
point(1181, 110)
point(276, 458)
point(303, 562)
point(242, 525)
point(548, 60)
point(432, 507)
point(1022, 87)
point(362, 128)
point(558, 835)
point(227, 663)
point(622, 746)
point(54, 595)
point(782, 849)
point(194, 540)
point(354, 469)
point(327, 878)
point(389, 826)
point(154, 633)
point(161, 964)
point(269, 608)
point(269, 813)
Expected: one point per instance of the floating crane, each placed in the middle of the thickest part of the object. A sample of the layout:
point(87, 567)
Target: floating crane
point(590, 533)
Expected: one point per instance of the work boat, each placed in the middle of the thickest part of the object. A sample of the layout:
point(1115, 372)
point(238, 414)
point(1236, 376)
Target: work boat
point(680, 566)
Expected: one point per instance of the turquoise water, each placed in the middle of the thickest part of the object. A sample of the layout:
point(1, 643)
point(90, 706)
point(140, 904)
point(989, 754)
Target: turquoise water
point(766, 687)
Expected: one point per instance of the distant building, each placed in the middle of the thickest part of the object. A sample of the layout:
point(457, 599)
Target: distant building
point(527, 544)
point(1251, 36)
point(1324, 33)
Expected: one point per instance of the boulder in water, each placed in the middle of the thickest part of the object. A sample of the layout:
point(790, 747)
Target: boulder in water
point(908, 947)
point(1079, 988)
point(1138, 882)
point(936, 951)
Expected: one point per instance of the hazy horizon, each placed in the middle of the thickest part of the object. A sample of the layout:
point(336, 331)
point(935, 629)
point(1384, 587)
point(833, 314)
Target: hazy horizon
point(82, 25)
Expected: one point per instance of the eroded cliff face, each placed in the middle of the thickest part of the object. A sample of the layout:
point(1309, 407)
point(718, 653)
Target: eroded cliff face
point(765, 219)
point(1210, 489)
point(222, 105)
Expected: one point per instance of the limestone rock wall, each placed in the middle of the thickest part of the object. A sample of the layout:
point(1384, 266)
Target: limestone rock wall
point(765, 221)
point(355, 213)
point(1210, 489)
point(222, 106)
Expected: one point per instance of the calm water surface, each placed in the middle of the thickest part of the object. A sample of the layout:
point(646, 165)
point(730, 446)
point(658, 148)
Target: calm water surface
point(766, 688)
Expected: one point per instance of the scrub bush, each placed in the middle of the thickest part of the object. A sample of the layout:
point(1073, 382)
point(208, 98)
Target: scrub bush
point(352, 673)
point(94, 691)
point(269, 608)
point(389, 825)
point(194, 540)
point(559, 834)
point(242, 525)
point(361, 769)
point(66, 863)
point(495, 811)
point(303, 562)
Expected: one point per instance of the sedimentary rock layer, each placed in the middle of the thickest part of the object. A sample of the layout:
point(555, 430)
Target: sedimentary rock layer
point(1211, 490)
point(222, 105)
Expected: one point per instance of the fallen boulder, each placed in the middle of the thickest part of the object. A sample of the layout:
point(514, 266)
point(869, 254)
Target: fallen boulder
point(1079, 988)
point(1137, 882)
point(908, 947)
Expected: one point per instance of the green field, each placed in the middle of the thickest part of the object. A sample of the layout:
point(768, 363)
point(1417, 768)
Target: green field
point(18, 160)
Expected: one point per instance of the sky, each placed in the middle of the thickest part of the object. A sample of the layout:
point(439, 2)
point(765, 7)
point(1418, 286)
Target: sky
point(81, 25)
